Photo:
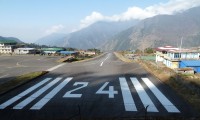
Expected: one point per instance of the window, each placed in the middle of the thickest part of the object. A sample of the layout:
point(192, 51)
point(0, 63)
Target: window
point(177, 55)
point(164, 52)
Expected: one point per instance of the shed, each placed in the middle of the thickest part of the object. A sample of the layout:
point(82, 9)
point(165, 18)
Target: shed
point(195, 64)
point(51, 50)
point(25, 51)
point(68, 52)
point(185, 70)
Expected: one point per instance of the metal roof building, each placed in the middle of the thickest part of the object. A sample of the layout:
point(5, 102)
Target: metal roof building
point(68, 52)
point(195, 64)
point(51, 50)
point(24, 51)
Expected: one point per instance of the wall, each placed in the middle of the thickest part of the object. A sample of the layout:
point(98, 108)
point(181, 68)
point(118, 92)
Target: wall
point(175, 65)
point(5, 49)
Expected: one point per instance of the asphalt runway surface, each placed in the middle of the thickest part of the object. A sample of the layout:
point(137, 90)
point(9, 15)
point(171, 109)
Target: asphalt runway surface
point(12, 66)
point(102, 88)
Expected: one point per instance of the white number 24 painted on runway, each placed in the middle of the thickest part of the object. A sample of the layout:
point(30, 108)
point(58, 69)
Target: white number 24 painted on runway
point(111, 92)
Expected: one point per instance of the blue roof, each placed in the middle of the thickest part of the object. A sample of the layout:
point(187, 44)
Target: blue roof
point(192, 63)
point(68, 52)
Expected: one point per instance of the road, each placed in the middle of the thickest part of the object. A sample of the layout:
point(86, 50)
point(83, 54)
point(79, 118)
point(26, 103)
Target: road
point(102, 88)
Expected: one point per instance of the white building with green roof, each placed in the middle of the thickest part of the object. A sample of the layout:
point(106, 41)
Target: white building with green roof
point(51, 50)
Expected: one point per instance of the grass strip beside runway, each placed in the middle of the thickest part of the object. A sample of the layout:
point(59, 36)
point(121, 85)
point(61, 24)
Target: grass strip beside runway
point(122, 58)
point(19, 80)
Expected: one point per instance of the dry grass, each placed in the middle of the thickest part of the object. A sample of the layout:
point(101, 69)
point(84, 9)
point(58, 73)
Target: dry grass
point(20, 80)
point(122, 58)
point(79, 59)
point(64, 59)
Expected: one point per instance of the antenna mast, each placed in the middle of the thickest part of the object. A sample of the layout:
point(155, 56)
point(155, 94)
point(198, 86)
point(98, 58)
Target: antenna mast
point(180, 48)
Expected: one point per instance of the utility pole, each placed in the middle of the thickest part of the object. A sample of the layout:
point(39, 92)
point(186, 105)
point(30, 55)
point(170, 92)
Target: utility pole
point(142, 36)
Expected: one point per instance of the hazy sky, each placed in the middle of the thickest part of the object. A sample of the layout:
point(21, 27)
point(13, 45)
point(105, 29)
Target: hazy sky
point(29, 20)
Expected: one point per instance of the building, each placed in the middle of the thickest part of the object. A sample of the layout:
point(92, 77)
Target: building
point(130, 56)
point(87, 53)
point(7, 46)
point(51, 50)
point(161, 52)
point(172, 57)
point(25, 51)
point(90, 53)
point(69, 53)
point(194, 64)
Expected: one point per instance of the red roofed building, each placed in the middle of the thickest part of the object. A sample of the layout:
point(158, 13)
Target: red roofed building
point(171, 56)
point(161, 52)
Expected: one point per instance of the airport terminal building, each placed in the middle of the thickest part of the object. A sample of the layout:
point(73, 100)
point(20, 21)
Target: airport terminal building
point(7, 46)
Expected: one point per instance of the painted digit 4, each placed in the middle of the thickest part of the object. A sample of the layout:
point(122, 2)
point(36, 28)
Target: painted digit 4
point(69, 93)
point(110, 92)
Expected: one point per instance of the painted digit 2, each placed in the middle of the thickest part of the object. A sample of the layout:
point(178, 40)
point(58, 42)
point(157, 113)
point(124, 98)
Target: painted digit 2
point(69, 93)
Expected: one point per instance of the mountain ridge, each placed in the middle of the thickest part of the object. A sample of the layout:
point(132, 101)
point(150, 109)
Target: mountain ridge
point(91, 37)
point(10, 38)
point(159, 31)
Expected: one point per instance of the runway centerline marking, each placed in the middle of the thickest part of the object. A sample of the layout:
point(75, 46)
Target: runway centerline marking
point(36, 94)
point(104, 61)
point(164, 101)
point(126, 94)
point(14, 99)
point(101, 64)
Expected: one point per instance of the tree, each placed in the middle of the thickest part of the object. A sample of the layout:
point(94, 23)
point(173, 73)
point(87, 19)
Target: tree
point(137, 51)
point(149, 50)
point(71, 49)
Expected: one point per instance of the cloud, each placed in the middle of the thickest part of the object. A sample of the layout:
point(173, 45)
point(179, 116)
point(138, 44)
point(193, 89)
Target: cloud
point(95, 16)
point(171, 7)
point(88, 20)
point(54, 29)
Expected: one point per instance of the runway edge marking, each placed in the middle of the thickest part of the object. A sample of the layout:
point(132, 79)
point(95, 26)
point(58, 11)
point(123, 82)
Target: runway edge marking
point(56, 67)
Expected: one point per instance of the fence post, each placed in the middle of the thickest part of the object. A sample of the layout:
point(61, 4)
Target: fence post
point(146, 112)
point(79, 111)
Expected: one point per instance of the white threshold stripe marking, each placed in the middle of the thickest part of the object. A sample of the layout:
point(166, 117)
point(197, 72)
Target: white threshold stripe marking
point(126, 94)
point(14, 99)
point(143, 96)
point(50, 95)
point(36, 94)
point(164, 101)
point(55, 67)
